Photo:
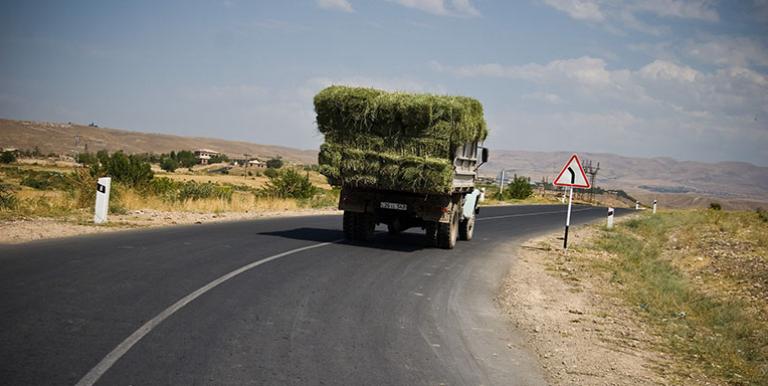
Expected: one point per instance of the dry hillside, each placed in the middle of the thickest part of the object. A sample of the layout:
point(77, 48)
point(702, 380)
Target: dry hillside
point(736, 185)
point(65, 138)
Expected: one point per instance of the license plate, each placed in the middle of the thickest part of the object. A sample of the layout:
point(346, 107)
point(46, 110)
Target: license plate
point(393, 205)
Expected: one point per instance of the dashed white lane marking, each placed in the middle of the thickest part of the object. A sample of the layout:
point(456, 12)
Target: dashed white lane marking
point(102, 367)
point(531, 214)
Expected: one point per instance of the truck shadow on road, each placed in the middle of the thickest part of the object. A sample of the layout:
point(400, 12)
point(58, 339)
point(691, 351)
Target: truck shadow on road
point(404, 242)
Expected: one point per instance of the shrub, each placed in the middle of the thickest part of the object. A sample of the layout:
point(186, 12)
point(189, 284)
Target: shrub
point(271, 173)
point(43, 180)
point(87, 158)
point(81, 186)
point(290, 184)
point(169, 164)
point(174, 191)
point(519, 188)
point(715, 206)
point(7, 157)
point(762, 214)
point(128, 170)
point(186, 158)
point(8, 198)
point(275, 163)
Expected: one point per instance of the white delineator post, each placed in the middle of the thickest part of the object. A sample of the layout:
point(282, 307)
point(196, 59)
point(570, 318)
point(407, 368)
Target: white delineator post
point(654, 206)
point(637, 205)
point(102, 200)
point(610, 218)
point(568, 219)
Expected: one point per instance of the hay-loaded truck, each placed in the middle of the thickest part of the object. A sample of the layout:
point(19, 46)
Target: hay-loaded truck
point(404, 160)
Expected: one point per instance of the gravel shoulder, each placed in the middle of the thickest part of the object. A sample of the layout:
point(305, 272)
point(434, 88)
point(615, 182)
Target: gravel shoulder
point(580, 335)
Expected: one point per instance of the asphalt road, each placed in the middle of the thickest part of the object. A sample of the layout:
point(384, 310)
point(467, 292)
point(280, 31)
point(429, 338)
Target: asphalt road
point(388, 312)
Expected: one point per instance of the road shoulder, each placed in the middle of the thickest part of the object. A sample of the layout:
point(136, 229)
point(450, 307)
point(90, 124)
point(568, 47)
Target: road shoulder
point(579, 335)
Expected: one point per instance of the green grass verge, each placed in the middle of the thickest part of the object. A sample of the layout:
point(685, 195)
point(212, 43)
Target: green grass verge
point(721, 335)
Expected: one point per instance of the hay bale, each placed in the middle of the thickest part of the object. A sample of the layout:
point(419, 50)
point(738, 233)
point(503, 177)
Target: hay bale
point(394, 141)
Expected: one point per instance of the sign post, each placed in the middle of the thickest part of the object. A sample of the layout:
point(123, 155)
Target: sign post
point(637, 205)
point(572, 176)
point(654, 206)
point(102, 200)
point(610, 218)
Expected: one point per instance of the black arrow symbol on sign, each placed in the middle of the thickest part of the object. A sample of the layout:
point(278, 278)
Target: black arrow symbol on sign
point(573, 175)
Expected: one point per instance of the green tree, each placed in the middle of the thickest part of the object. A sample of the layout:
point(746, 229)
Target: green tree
point(218, 159)
point(290, 184)
point(169, 165)
point(275, 163)
point(129, 170)
point(7, 157)
point(186, 158)
point(87, 158)
point(519, 188)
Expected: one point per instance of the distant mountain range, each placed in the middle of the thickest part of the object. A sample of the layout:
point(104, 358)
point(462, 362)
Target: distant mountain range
point(683, 183)
point(674, 183)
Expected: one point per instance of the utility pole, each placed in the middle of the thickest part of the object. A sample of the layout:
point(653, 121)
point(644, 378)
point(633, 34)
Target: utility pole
point(591, 171)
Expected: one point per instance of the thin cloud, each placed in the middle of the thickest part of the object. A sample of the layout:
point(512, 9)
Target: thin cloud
point(336, 5)
point(618, 16)
point(442, 7)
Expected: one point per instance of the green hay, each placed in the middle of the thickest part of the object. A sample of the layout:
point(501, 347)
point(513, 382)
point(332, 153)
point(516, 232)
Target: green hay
point(368, 169)
point(394, 141)
point(352, 111)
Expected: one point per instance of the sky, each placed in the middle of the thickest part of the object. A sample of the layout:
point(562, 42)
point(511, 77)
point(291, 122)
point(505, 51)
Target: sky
point(686, 79)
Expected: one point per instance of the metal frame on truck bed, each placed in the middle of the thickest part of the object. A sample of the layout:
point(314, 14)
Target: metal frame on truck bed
point(446, 217)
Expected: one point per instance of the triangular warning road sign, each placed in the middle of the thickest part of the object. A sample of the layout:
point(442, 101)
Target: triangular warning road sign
point(572, 174)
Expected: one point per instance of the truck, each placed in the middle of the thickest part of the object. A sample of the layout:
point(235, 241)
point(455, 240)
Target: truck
point(446, 218)
point(404, 160)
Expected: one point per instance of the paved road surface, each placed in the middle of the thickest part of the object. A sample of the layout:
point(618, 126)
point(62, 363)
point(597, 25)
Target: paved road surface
point(388, 312)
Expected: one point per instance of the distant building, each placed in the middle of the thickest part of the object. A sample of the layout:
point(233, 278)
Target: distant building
point(249, 162)
point(204, 155)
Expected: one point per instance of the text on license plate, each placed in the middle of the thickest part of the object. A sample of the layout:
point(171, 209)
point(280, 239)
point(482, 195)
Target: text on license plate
point(393, 205)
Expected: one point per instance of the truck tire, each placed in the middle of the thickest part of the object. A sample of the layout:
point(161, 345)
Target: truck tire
point(349, 225)
point(447, 234)
point(467, 228)
point(364, 226)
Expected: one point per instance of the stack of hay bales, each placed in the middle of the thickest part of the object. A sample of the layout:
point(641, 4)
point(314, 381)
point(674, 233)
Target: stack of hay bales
point(394, 141)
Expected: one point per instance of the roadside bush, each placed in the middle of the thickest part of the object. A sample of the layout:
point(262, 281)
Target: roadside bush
point(715, 206)
point(8, 200)
point(7, 157)
point(175, 191)
point(87, 159)
point(762, 214)
point(128, 170)
point(290, 184)
point(191, 190)
point(81, 187)
point(519, 188)
point(271, 173)
point(169, 165)
point(43, 180)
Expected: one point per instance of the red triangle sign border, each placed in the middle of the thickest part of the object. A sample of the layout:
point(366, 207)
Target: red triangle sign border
point(581, 170)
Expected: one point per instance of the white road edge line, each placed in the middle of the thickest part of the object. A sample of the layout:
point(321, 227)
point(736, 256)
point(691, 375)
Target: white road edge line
point(531, 214)
point(102, 367)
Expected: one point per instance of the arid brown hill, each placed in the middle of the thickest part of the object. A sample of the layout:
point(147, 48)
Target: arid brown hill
point(62, 138)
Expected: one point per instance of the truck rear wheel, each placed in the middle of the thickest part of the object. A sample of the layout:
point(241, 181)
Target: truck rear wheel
point(358, 226)
point(349, 225)
point(447, 234)
point(467, 228)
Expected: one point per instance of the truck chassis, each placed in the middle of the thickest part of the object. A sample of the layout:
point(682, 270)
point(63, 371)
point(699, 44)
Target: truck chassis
point(445, 217)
